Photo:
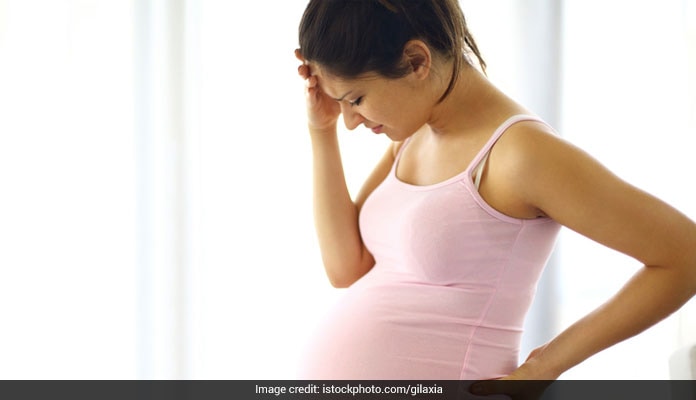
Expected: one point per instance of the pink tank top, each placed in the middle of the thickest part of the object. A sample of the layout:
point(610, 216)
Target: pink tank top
point(452, 282)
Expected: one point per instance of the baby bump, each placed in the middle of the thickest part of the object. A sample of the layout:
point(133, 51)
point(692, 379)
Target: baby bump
point(400, 330)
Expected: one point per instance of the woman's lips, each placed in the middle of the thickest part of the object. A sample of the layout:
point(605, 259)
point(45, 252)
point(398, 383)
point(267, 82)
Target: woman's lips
point(377, 129)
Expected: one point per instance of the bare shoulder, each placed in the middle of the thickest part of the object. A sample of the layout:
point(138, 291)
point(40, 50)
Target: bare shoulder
point(530, 153)
point(547, 173)
point(514, 164)
point(528, 143)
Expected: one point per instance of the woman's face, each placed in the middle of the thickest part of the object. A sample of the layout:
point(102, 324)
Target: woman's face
point(395, 107)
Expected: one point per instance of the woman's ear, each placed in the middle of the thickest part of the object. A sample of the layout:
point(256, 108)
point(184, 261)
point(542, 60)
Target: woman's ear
point(418, 57)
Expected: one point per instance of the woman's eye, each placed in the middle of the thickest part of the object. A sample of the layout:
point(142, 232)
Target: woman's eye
point(355, 102)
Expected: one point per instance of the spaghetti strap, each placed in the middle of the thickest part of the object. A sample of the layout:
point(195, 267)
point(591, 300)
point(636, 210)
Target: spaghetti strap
point(475, 167)
point(478, 164)
point(502, 128)
point(401, 150)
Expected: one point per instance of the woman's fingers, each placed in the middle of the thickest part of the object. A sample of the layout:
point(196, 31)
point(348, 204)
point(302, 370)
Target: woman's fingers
point(322, 110)
point(304, 71)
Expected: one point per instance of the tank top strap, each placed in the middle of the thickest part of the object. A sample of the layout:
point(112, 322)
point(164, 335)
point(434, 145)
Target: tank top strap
point(397, 157)
point(478, 163)
point(475, 168)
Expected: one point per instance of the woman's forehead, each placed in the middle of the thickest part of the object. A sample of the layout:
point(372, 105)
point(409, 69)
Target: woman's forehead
point(333, 84)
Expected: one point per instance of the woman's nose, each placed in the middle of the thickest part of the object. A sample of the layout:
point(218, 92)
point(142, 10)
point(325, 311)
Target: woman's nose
point(351, 118)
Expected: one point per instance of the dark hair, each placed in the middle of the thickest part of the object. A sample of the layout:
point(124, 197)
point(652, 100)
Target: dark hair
point(352, 37)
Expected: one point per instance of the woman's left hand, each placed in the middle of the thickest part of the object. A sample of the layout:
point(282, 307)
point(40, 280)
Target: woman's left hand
point(527, 382)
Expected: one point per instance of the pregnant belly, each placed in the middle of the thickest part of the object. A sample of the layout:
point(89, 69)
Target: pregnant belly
point(396, 329)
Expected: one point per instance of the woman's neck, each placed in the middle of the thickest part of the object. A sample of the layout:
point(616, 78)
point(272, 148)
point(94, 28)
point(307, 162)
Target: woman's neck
point(474, 104)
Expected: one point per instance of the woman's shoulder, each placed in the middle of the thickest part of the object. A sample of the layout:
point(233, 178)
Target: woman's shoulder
point(519, 161)
point(534, 165)
point(529, 142)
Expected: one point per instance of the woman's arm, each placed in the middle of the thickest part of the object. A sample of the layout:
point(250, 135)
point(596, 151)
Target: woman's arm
point(336, 215)
point(572, 188)
point(343, 253)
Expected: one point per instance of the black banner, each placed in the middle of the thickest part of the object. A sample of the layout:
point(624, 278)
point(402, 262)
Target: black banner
point(368, 390)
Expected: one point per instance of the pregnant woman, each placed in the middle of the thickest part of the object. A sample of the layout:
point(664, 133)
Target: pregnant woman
point(442, 248)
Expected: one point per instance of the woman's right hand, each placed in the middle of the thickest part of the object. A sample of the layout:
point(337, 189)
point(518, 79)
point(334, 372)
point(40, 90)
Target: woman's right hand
point(322, 110)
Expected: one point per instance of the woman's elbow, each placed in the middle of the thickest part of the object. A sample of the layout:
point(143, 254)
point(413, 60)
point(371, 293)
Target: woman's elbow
point(342, 280)
point(342, 273)
point(340, 283)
